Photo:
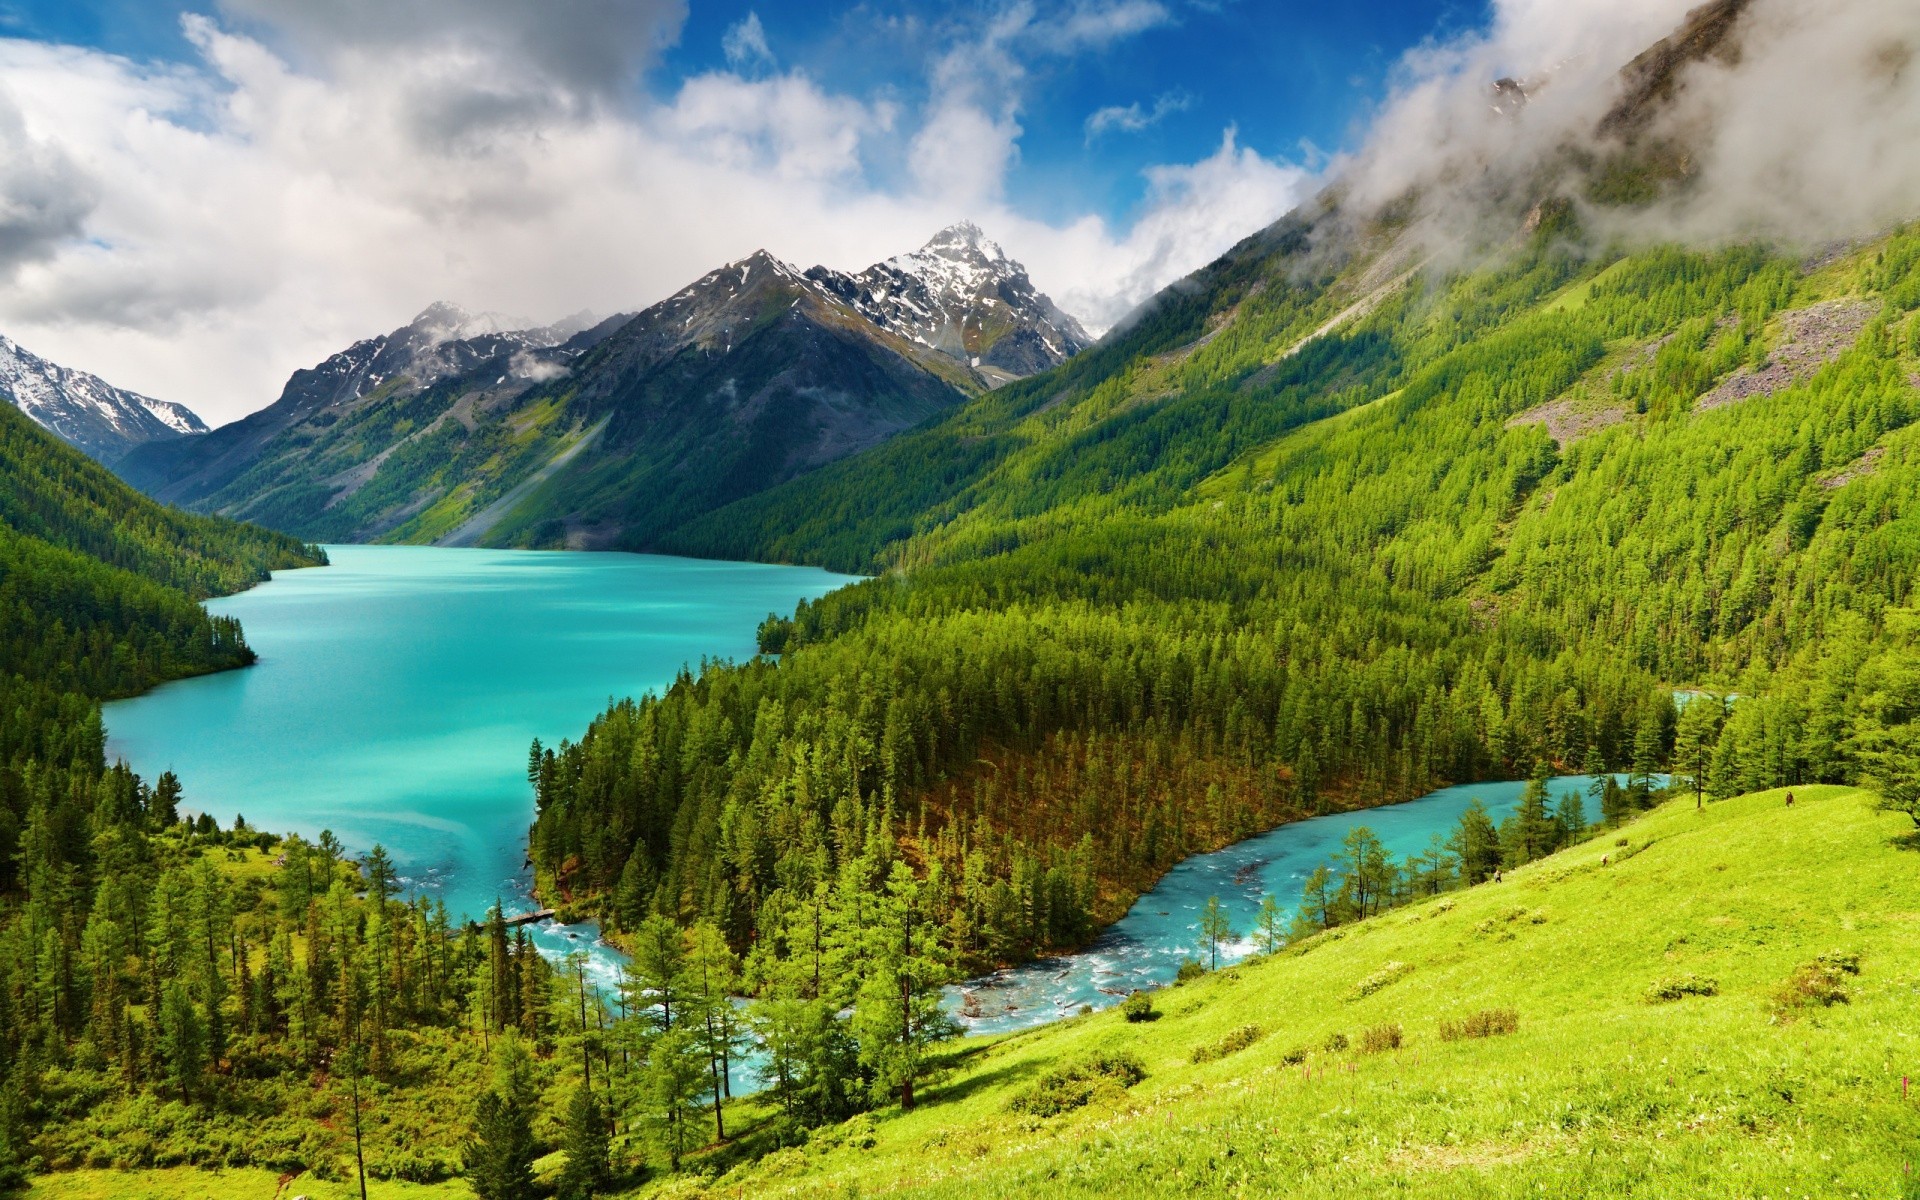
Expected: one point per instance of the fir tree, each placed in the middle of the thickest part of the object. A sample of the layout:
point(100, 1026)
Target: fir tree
point(589, 1167)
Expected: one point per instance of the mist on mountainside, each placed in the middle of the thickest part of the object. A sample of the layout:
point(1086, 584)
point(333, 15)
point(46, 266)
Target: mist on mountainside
point(1778, 120)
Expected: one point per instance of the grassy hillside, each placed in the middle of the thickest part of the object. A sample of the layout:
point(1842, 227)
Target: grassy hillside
point(1786, 1080)
point(1600, 1091)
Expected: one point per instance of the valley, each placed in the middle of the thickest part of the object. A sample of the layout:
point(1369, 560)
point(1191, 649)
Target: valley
point(1428, 703)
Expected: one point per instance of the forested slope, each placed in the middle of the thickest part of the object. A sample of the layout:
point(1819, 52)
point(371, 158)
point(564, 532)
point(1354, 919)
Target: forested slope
point(98, 591)
point(1164, 596)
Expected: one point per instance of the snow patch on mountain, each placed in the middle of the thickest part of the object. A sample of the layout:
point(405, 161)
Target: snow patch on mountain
point(84, 410)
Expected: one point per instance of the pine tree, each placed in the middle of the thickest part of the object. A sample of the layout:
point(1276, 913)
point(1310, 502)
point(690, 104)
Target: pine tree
point(381, 885)
point(183, 1040)
point(1536, 833)
point(897, 1014)
point(1646, 760)
point(675, 1072)
point(1269, 925)
point(501, 1153)
point(1214, 929)
point(1476, 841)
point(1694, 742)
point(589, 1167)
point(164, 806)
point(712, 974)
point(1318, 902)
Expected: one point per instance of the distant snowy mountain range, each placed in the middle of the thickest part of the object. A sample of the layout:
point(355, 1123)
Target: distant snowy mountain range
point(460, 428)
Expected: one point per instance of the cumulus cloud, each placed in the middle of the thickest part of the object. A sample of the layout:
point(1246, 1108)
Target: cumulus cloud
point(44, 196)
point(1193, 214)
point(320, 173)
point(595, 46)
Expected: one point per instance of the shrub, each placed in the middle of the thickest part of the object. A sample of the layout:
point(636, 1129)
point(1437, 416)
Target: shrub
point(1679, 987)
point(1233, 1043)
point(1488, 1022)
point(1074, 1085)
point(1387, 974)
point(1294, 1057)
point(1190, 970)
point(1335, 1043)
point(1381, 1038)
point(1138, 1006)
point(1821, 983)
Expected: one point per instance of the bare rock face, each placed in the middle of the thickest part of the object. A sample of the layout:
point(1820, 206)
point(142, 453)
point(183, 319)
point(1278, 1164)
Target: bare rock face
point(1652, 79)
point(86, 411)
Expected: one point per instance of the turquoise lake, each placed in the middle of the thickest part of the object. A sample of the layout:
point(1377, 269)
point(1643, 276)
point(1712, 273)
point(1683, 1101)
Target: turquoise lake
point(398, 689)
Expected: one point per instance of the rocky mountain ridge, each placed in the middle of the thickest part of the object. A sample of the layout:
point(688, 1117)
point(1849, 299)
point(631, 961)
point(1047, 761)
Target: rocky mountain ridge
point(468, 427)
point(86, 411)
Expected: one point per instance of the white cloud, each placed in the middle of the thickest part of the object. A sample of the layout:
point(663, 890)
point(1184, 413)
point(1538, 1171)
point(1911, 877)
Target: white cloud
point(197, 231)
point(745, 44)
point(1132, 118)
point(1192, 215)
point(1802, 131)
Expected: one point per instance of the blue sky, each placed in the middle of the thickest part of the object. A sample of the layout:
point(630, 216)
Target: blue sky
point(219, 193)
point(1291, 76)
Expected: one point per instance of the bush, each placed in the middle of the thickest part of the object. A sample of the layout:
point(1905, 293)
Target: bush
point(1381, 1038)
point(1821, 983)
point(1294, 1057)
point(1335, 1043)
point(1138, 1006)
point(1488, 1022)
point(1679, 987)
point(1073, 1086)
point(1233, 1043)
point(1190, 970)
point(1387, 974)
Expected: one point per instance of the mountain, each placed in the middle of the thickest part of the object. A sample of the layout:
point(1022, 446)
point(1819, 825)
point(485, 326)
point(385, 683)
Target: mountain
point(462, 430)
point(355, 393)
point(963, 296)
point(86, 411)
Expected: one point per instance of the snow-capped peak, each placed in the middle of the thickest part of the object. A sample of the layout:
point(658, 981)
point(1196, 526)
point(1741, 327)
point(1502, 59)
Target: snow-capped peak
point(85, 410)
point(960, 294)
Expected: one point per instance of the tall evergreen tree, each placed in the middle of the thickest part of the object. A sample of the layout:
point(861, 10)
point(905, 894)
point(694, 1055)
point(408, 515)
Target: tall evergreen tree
point(589, 1166)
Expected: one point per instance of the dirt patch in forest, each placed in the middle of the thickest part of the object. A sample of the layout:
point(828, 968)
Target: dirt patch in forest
point(1567, 422)
point(1813, 338)
point(1859, 468)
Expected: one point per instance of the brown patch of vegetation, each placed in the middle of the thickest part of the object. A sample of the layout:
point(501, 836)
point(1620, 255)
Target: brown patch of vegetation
point(1126, 794)
point(1821, 983)
point(1381, 1038)
point(1233, 1043)
point(1488, 1022)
